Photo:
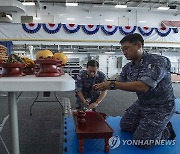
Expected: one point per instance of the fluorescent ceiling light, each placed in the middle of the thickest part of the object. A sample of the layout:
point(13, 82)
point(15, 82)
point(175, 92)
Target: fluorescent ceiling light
point(36, 18)
point(142, 21)
point(120, 6)
point(71, 4)
point(88, 17)
point(8, 16)
point(109, 52)
point(163, 8)
point(68, 52)
point(28, 3)
point(109, 20)
point(70, 19)
point(62, 15)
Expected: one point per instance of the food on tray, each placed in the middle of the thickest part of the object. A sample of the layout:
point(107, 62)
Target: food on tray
point(61, 56)
point(28, 62)
point(3, 52)
point(13, 58)
point(44, 54)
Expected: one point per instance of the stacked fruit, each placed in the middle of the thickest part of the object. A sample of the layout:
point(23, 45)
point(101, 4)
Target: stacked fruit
point(13, 58)
point(3, 52)
point(28, 62)
point(47, 54)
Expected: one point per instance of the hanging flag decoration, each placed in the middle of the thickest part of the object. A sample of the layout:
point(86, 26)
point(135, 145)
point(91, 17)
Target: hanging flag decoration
point(108, 29)
point(127, 29)
point(71, 28)
point(31, 27)
point(90, 29)
point(51, 28)
point(145, 31)
point(163, 31)
point(175, 30)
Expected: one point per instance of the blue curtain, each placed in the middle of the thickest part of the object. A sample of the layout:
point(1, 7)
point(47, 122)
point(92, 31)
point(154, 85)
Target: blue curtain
point(8, 45)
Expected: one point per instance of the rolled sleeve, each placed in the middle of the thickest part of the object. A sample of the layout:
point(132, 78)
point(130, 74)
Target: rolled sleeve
point(149, 81)
point(123, 75)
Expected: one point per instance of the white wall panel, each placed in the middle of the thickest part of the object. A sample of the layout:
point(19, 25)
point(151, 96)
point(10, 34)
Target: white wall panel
point(99, 15)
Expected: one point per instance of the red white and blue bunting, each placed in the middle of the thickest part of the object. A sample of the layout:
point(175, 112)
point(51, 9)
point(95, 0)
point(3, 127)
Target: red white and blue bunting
point(175, 30)
point(31, 27)
point(108, 29)
point(90, 29)
point(145, 31)
point(71, 28)
point(127, 29)
point(51, 28)
point(163, 31)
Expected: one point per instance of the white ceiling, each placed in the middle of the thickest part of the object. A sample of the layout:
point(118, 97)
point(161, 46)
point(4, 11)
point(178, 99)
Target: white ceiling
point(130, 3)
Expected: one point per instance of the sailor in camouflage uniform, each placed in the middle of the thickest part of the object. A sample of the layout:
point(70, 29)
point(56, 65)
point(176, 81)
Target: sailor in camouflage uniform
point(149, 76)
point(86, 95)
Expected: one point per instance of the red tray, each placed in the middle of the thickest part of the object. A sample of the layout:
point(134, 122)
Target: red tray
point(29, 70)
point(12, 69)
point(48, 68)
point(48, 61)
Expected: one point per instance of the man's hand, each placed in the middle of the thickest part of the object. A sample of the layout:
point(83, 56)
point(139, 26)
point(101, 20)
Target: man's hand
point(92, 105)
point(86, 103)
point(102, 86)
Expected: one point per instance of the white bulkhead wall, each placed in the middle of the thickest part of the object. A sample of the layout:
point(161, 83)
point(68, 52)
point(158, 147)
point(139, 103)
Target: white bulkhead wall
point(88, 14)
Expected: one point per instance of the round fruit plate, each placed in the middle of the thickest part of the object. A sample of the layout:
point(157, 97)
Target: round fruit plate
point(48, 68)
point(29, 70)
point(12, 69)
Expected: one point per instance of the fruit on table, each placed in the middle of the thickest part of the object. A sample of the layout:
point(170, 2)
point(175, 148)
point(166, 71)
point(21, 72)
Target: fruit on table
point(28, 61)
point(13, 58)
point(61, 56)
point(44, 54)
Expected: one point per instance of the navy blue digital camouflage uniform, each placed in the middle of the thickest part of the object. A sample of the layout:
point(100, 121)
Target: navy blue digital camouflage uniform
point(148, 116)
point(84, 84)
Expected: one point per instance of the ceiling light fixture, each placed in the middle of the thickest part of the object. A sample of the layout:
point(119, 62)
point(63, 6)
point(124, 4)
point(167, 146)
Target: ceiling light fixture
point(68, 52)
point(142, 21)
point(163, 8)
point(109, 20)
point(88, 17)
point(36, 18)
point(71, 19)
point(120, 6)
point(110, 52)
point(28, 3)
point(71, 4)
point(8, 16)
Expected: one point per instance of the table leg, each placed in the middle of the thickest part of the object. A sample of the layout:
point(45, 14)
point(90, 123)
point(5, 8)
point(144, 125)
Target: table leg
point(81, 145)
point(13, 116)
point(106, 148)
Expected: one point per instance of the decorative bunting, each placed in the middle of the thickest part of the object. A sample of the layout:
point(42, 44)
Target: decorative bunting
point(108, 29)
point(127, 30)
point(145, 31)
point(175, 30)
point(31, 27)
point(90, 29)
point(71, 28)
point(51, 28)
point(163, 31)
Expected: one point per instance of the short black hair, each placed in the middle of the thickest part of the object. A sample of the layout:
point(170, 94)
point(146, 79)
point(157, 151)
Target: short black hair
point(133, 38)
point(93, 63)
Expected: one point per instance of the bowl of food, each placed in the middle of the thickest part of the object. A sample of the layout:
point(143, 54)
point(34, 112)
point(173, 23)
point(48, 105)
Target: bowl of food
point(12, 67)
point(48, 67)
point(62, 57)
point(29, 68)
